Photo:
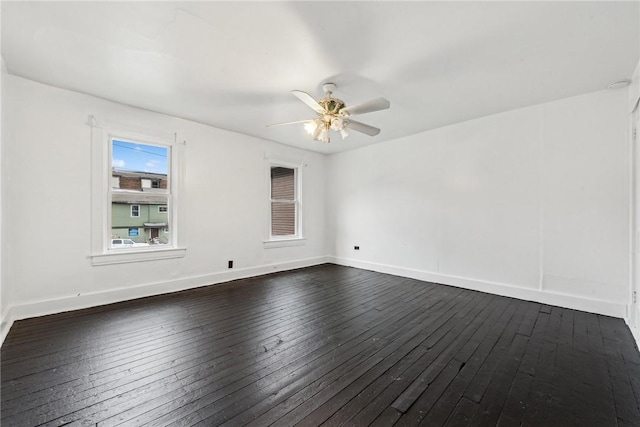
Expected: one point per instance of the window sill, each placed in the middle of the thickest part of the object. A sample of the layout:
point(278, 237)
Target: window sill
point(122, 256)
point(280, 243)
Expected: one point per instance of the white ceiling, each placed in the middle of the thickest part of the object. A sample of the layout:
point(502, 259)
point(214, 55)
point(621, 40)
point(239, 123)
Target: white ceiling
point(233, 64)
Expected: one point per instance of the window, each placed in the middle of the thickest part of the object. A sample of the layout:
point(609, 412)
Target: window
point(139, 164)
point(150, 183)
point(284, 205)
point(135, 193)
point(283, 201)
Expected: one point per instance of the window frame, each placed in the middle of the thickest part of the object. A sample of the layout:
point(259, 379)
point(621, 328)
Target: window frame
point(272, 241)
point(101, 204)
point(131, 211)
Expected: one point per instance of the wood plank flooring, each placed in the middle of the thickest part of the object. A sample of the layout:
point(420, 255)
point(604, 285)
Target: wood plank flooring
point(325, 345)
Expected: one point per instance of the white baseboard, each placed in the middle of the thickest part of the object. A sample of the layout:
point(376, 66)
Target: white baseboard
point(5, 324)
point(607, 308)
point(634, 331)
point(41, 308)
point(59, 305)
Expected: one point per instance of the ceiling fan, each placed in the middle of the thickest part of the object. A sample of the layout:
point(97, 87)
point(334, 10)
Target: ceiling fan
point(333, 114)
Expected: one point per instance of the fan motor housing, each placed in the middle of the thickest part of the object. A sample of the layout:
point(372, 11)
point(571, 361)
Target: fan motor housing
point(332, 105)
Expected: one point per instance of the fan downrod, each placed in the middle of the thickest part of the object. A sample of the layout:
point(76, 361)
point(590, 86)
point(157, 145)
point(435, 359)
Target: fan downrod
point(328, 88)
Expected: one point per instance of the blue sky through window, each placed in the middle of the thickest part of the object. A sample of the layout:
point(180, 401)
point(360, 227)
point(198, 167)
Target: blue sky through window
point(139, 157)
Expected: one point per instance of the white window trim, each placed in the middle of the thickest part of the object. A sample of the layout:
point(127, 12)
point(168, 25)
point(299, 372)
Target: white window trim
point(131, 211)
point(165, 209)
point(101, 253)
point(281, 243)
point(122, 256)
point(297, 239)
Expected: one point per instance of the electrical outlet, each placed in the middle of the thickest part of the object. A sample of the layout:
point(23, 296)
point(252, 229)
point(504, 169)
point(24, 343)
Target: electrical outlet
point(356, 248)
point(230, 264)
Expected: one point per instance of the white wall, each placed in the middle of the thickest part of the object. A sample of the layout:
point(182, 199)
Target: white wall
point(634, 109)
point(634, 89)
point(3, 287)
point(47, 205)
point(531, 203)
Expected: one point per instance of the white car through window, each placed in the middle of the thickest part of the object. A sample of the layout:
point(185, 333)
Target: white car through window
point(125, 243)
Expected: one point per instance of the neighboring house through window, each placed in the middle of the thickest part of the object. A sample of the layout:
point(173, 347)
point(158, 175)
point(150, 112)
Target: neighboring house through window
point(138, 165)
point(141, 178)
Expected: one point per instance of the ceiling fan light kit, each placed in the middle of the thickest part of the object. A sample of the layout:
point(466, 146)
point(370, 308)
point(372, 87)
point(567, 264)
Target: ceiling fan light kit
point(333, 115)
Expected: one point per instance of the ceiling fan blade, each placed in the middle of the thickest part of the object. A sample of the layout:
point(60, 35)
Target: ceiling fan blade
point(361, 127)
point(308, 99)
point(367, 107)
point(290, 123)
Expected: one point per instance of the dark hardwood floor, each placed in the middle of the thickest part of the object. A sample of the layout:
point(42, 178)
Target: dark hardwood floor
point(326, 345)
